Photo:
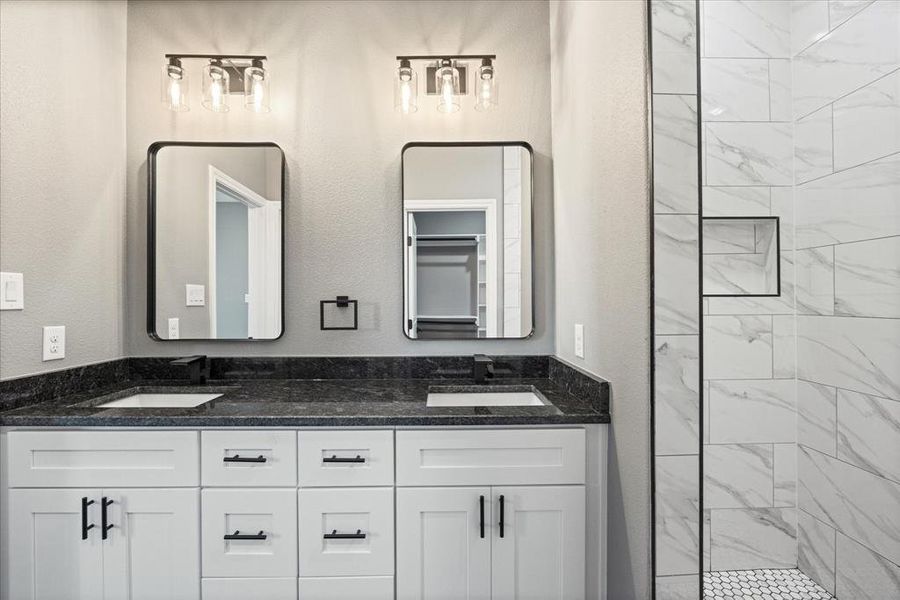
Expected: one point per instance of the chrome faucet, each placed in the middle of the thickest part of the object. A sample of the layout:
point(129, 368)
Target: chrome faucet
point(482, 368)
point(198, 367)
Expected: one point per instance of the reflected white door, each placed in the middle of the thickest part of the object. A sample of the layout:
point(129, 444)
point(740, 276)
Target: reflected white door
point(412, 261)
point(541, 553)
point(440, 552)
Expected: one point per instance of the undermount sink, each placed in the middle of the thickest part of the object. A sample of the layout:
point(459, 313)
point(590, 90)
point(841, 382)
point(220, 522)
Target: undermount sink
point(447, 396)
point(160, 401)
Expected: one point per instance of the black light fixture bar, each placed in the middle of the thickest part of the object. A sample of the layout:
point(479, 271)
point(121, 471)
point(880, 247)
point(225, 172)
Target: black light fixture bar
point(448, 56)
point(221, 56)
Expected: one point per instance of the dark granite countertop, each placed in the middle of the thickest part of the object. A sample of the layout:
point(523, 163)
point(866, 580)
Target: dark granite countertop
point(282, 402)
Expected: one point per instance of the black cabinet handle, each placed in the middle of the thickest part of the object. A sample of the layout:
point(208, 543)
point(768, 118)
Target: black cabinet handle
point(237, 535)
point(501, 515)
point(336, 459)
point(105, 502)
point(334, 535)
point(481, 515)
point(84, 524)
point(237, 458)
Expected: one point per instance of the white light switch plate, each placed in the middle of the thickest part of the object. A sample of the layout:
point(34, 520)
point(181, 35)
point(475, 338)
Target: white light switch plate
point(173, 329)
point(194, 294)
point(12, 291)
point(579, 340)
point(54, 342)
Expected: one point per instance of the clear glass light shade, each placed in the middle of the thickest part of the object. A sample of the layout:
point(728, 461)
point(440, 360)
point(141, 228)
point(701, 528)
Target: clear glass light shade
point(256, 89)
point(406, 90)
point(487, 92)
point(215, 87)
point(446, 82)
point(174, 88)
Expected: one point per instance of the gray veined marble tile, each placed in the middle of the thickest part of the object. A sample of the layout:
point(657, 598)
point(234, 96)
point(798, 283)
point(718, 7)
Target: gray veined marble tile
point(816, 550)
point(783, 208)
point(749, 154)
point(737, 347)
point(863, 574)
point(867, 278)
point(729, 236)
point(675, 154)
point(674, 24)
point(784, 346)
point(735, 201)
point(678, 587)
point(749, 305)
point(853, 55)
point(677, 302)
point(817, 417)
point(737, 475)
point(677, 515)
point(852, 500)
point(813, 146)
point(735, 89)
point(867, 122)
point(841, 10)
point(849, 206)
point(752, 411)
point(746, 29)
point(785, 472)
point(707, 539)
point(780, 90)
point(677, 420)
point(756, 538)
point(814, 280)
point(809, 22)
point(852, 353)
point(735, 274)
point(869, 433)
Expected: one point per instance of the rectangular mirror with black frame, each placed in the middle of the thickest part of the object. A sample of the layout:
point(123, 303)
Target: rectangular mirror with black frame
point(215, 241)
point(467, 240)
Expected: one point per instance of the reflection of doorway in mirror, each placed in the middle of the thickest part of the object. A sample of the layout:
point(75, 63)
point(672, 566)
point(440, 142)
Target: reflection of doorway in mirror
point(244, 273)
point(451, 268)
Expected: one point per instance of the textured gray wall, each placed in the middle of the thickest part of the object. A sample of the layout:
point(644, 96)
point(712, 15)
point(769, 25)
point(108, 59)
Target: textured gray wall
point(332, 113)
point(62, 178)
point(602, 248)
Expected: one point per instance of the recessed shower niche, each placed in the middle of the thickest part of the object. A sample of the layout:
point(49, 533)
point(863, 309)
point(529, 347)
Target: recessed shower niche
point(740, 256)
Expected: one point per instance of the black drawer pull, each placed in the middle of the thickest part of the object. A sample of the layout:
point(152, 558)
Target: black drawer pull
point(481, 515)
point(237, 535)
point(103, 526)
point(244, 459)
point(334, 535)
point(84, 524)
point(501, 515)
point(335, 459)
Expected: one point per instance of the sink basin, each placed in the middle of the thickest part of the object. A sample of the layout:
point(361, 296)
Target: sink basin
point(486, 396)
point(160, 401)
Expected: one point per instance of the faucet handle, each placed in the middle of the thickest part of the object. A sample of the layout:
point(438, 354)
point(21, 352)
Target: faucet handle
point(198, 366)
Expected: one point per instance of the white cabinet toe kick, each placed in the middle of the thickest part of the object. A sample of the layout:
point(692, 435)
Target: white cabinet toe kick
point(303, 514)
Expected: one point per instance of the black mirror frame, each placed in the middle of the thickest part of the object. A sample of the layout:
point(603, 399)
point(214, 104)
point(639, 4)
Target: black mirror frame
point(152, 151)
point(403, 318)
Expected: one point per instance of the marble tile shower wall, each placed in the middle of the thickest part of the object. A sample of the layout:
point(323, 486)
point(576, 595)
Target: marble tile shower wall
point(749, 399)
point(846, 111)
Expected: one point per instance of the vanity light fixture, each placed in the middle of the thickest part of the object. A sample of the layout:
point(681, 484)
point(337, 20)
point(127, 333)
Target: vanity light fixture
point(223, 76)
point(446, 76)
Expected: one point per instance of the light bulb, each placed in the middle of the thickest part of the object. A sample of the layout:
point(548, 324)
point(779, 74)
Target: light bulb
point(486, 88)
point(405, 89)
point(215, 86)
point(256, 87)
point(174, 86)
point(447, 84)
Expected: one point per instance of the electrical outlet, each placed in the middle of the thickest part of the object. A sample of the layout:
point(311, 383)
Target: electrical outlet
point(12, 291)
point(173, 329)
point(579, 340)
point(54, 342)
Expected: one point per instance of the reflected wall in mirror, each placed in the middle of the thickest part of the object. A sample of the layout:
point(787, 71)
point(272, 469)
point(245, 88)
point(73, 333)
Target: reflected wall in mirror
point(215, 241)
point(467, 225)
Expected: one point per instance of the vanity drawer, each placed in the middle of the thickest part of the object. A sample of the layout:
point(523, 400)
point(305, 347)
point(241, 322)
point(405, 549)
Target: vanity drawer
point(103, 459)
point(248, 458)
point(346, 532)
point(270, 514)
point(245, 588)
point(346, 588)
point(490, 457)
point(345, 458)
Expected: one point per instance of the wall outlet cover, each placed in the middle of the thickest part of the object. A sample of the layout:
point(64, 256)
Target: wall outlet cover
point(579, 340)
point(12, 291)
point(194, 294)
point(54, 342)
point(174, 333)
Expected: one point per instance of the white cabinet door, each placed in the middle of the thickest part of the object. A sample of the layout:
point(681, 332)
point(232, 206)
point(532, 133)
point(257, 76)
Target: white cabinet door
point(440, 552)
point(152, 550)
point(48, 559)
point(541, 553)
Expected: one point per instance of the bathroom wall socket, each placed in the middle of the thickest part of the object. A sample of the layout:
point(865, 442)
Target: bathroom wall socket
point(173, 329)
point(54, 342)
point(579, 340)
